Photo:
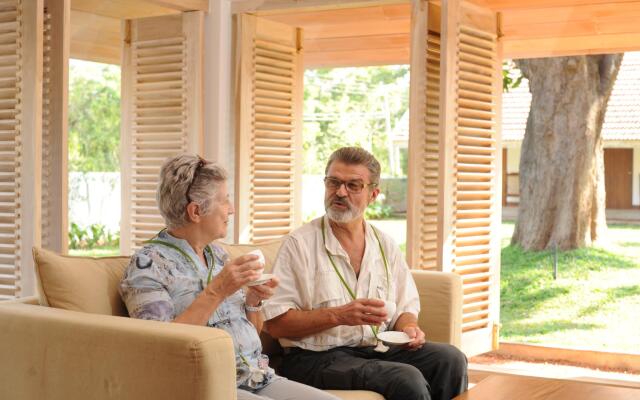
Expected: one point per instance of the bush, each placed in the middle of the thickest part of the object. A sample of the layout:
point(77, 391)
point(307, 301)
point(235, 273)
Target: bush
point(91, 237)
point(378, 210)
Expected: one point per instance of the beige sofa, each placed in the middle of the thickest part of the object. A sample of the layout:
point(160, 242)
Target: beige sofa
point(74, 340)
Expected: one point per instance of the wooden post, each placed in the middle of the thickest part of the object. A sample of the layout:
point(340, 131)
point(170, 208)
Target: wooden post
point(417, 112)
point(448, 94)
point(126, 91)
point(55, 200)
point(30, 180)
point(193, 30)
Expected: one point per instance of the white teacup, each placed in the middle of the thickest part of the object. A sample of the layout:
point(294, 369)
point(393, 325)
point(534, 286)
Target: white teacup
point(390, 307)
point(261, 259)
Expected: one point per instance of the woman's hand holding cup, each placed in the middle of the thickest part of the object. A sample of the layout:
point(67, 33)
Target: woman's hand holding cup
point(235, 274)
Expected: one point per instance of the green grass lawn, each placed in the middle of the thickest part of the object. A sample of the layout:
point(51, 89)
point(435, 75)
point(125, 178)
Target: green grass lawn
point(594, 303)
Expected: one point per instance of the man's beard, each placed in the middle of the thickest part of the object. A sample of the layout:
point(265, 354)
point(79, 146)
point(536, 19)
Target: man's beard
point(348, 215)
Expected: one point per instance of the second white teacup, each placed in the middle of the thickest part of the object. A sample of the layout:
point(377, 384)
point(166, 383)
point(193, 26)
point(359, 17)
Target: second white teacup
point(390, 308)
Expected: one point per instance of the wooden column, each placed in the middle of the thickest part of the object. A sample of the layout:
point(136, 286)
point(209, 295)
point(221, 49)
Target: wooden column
point(55, 144)
point(30, 133)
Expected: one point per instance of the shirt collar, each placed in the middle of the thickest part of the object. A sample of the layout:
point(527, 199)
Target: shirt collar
point(333, 245)
point(185, 246)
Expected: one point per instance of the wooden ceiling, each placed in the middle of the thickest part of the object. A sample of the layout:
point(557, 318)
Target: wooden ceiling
point(95, 24)
point(377, 32)
point(530, 28)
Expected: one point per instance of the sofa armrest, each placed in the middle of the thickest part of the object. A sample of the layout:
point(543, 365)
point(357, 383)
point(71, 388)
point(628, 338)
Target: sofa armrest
point(440, 305)
point(59, 354)
point(33, 300)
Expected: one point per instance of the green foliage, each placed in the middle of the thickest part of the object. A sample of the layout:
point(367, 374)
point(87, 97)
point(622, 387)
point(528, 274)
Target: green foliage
point(94, 118)
point(378, 210)
point(511, 76)
point(352, 106)
point(91, 237)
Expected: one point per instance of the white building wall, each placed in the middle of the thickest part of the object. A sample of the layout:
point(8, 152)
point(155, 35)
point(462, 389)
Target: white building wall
point(513, 160)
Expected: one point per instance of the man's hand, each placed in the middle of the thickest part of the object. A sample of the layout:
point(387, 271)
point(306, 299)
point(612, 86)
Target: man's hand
point(416, 335)
point(257, 293)
point(234, 275)
point(361, 312)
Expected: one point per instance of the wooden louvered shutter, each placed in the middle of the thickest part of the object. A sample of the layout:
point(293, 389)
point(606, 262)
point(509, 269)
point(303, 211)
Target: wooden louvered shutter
point(54, 125)
point(269, 130)
point(422, 197)
point(21, 36)
point(467, 163)
point(161, 112)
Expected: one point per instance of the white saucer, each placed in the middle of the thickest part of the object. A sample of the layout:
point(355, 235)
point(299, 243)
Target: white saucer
point(394, 337)
point(264, 278)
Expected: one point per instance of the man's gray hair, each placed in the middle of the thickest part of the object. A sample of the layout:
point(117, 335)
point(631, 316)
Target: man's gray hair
point(182, 173)
point(356, 156)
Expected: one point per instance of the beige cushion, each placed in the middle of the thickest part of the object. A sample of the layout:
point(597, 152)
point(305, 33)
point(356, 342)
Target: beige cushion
point(269, 249)
point(356, 394)
point(80, 283)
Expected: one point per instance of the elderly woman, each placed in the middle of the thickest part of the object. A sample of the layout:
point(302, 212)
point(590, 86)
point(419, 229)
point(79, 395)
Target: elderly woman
point(181, 276)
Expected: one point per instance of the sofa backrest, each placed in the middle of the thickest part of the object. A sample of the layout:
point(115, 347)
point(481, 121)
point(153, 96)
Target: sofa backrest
point(90, 284)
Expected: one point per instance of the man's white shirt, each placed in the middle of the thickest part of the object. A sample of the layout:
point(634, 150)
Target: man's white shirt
point(308, 281)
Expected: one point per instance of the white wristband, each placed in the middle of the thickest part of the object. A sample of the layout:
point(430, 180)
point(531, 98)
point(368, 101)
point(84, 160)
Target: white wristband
point(254, 308)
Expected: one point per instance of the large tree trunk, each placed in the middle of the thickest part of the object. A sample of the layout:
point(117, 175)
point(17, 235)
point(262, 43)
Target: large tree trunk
point(562, 194)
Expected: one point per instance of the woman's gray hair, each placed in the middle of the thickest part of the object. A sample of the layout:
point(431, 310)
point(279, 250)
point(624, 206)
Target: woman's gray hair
point(187, 172)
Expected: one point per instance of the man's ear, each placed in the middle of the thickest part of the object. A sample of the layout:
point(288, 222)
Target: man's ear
point(193, 211)
point(374, 194)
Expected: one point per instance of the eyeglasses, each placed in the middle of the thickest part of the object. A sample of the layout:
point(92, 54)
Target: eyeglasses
point(353, 186)
point(201, 163)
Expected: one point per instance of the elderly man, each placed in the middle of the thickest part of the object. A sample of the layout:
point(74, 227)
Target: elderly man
point(336, 273)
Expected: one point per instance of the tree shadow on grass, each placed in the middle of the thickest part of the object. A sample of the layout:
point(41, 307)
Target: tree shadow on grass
point(612, 295)
point(546, 327)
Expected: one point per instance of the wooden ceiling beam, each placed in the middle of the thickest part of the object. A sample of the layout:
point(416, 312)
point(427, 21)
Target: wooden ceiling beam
point(570, 45)
point(502, 5)
point(121, 9)
point(95, 37)
point(183, 5)
point(356, 58)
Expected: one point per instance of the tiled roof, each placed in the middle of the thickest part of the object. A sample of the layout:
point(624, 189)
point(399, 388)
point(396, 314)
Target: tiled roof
point(621, 122)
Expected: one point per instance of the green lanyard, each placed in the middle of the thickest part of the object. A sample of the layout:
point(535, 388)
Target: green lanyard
point(184, 253)
point(344, 282)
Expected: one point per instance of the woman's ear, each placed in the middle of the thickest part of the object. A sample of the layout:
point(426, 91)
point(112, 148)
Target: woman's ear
point(193, 210)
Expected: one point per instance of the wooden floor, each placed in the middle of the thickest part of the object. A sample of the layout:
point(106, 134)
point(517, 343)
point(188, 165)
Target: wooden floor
point(510, 387)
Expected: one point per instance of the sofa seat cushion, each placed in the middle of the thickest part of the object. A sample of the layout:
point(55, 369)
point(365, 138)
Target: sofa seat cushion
point(356, 394)
point(84, 284)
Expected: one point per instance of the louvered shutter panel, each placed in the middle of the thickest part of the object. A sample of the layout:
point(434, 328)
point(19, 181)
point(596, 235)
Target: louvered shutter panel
point(460, 179)
point(21, 38)
point(422, 199)
point(54, 125)
point(162, 112)
point(269, 137)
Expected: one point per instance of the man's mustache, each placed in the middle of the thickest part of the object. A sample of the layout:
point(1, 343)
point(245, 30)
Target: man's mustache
point(340, 201)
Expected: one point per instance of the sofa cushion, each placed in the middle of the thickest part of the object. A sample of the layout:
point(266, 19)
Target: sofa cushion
point(80, 283)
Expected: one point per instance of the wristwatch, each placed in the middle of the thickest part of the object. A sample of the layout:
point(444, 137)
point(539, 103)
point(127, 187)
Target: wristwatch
point(255, 308)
